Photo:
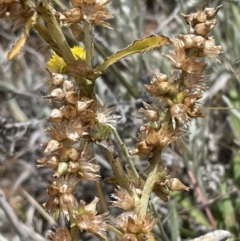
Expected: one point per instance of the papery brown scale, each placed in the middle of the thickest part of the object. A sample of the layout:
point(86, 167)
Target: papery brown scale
point(73, 154)
point(199, 42)
point(72, 97)
point(57, 79)
point(161, 138)
point(68, 85)
point(52, 146)
point(56, 115)
point(68, 111)
point(204, 28)
point(50, 161)
point(52, 204)
point(180, 112)
point(56, 94)
point(188, 40)
point(87, 116)
point(210, 49)
point(124, 199)
point(73, 15)
point(176, 185)
point(67, 204)
point(83, 105)
point(192, 66)
point(52, 190)
point(201, 16)
point(73, 167)
point(57, 131)
point(77, 3)
point(211, 12)
point(142, 148)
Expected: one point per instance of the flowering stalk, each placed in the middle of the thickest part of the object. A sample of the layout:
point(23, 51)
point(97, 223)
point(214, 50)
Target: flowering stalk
point(78, 120)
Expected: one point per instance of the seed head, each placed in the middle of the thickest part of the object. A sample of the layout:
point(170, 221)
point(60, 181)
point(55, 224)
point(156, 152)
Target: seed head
point(88, 220)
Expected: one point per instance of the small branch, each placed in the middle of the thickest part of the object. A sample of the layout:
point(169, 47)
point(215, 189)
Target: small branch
point(12, 217)
point(45, 11)
point(163, 235)
point(23, 231)
point(117, 169)
point(114, 230)
point(125, 152)
point(39, 208)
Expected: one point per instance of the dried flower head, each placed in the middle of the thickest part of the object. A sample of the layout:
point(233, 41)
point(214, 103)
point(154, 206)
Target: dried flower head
point(85, 169)
point(103, 116)
point(124, 199)
point(71, 129)
point(130, 222)
point(88, 220)
point(163, 137)
point(61, 195)
point(94, 12)
point(60, 234)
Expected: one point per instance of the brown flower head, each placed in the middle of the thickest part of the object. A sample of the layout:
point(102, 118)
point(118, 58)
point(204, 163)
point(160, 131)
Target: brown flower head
point(130, 222)
point(12, 11)
point(61, 234)
point(85, 169)
point(103, 116)
point(88, 220)
point(61, 195)
point(50, 161)
point(178, 56)
point(210, 49)
point(179, 112)
point(79, 162)
point(159, 85)
point(150, 111)
point(71, 129)
point(163, 137)
point(124, 199)
point(202, 21)
point(92, 11)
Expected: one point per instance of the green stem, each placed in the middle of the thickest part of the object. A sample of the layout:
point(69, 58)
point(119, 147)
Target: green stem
point(125, 152)
point(88, 42)
point(163, 235)
point(118, 171)
point(44, 33)
point(143, 205)
point(116, 231)
point(74, 233)
point(45, 11)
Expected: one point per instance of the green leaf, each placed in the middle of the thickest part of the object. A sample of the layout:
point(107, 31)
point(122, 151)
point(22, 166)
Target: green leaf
point(194, 212)
point(138, 46)
point(228, 211)
point(175, 233)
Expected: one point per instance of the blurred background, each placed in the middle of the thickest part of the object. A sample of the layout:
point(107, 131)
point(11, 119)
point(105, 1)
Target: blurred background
point(208, 160)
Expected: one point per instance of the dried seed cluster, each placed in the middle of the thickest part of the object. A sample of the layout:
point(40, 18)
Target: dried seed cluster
point(176, 97)
point(73, 120)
